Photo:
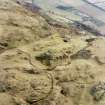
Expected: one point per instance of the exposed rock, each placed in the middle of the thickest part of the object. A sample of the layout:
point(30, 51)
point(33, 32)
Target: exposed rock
point(90, 40)
point(98, 91)
point(82, 54)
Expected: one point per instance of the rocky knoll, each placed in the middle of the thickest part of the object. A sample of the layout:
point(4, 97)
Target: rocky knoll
point(44, 63)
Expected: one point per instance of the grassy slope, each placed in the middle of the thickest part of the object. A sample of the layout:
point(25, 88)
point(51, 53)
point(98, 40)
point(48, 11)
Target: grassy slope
point(76, 65)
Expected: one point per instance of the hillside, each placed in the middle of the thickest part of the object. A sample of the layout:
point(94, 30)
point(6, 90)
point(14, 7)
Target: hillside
point(44, 62)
